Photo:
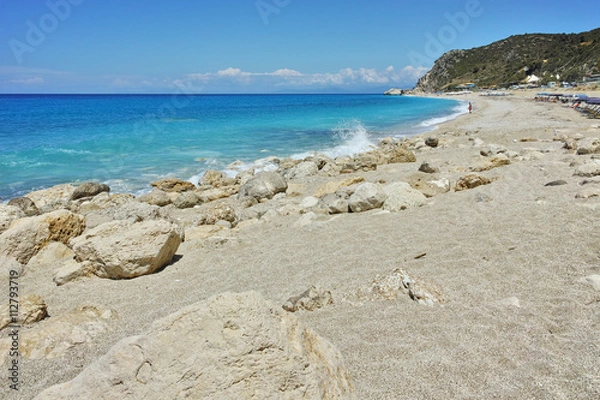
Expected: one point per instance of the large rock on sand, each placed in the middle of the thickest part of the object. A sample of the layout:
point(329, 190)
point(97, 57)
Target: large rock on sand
point(263, 185)
point(588, 146)
point(173, 185)
point(230, 346)
point(27, 236)
point(367, 196)
point(56, 194)
point(400, 196)
point(125, 249)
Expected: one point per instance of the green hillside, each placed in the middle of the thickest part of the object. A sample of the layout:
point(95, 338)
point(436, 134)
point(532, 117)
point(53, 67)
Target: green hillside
point(551, 57)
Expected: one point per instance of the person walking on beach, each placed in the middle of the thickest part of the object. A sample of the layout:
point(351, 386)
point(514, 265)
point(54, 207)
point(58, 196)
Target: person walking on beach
point(470, 108)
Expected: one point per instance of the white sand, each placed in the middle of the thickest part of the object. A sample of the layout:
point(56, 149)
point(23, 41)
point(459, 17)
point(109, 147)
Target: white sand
point(514, 238)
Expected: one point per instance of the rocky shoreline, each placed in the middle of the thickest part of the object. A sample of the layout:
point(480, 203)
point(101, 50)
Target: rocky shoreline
point(323, 234)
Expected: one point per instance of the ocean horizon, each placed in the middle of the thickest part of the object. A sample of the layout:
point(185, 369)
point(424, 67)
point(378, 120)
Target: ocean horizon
point(130, 140)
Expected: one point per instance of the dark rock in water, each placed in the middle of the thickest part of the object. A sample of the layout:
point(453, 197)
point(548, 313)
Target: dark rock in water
point(89, 189)
point(431, 142)
point(26, 205)
point(556, 183)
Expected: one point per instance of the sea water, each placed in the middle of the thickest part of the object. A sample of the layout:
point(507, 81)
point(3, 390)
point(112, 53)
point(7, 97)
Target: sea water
point(128, 141)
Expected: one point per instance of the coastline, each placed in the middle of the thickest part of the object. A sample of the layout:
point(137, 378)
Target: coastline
point(511, 256)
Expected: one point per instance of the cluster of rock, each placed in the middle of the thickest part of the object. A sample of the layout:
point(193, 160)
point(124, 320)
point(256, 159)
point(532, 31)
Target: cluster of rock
point(391, 286)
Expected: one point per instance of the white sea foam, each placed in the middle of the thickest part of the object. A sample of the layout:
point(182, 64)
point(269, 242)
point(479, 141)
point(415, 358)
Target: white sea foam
point(456, 111)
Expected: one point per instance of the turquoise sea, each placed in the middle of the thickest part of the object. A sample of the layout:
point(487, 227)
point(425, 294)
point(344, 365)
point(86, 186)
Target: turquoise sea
point(128, 141)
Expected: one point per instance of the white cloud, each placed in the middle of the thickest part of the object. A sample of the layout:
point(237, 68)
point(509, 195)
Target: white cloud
point(27, 81)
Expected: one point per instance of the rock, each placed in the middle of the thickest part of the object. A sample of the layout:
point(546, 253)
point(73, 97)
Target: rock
point(32, 308)
point(26, 205)
point(222, 192)
point(477, 143)
point(432, 142)
point(55, 194)
point(333, 186)
point(471, 181)
point(132, 211)
point(590, 168)
point(497, 161)
point(401, 155)
point(558, 182)
point(302, 170)
point(492, 150)
point(8, 214)
point(89, 189)
point(263, 185)
point(9, 266)
point(365, 162)
point(391, 286)
point(219, 212)
point(309, 202)
point(595, 180)
point(593, 281)
point(124, 249)
point(187, 199)
point(510, 301)
point(588, 146)
point(305, 220)
point(27, 236)
point(230, 346)
point(54, 336)
point(428, 169)
point(588, 193)
point(55, 253)
point(173, 185)
point(400, 196)
point(367, 196)
point(156, 197)
point(213, 178)
point(309, 300)
point(334, 204)
point(71, 270)
point(429, 187)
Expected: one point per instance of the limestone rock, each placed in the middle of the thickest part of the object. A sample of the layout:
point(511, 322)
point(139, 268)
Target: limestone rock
point(400, 196)
point(89, 189)
point(131, 211)
point(32, 308)
point(124, 249)
point(201, 232)
point(492, 150)
point(71, 270)
point(27, 236)
point(187, 199)
point(367, 196)
point(263, 185)
point(230, 346)
point(588, 192)
point(471, 181)
point(302, 170)
point(219, 212)
point(494, 162)
point(309, 300)
point(55, 194)
point(391, 286)
point(55, 253)
point(588, 146)
point(222, 192)
point(590, 168)
point(54, 336)
point(401, 155)
point(216, 179)
point(335, 204)
point(309, 202)
point(173, 185)
point(156, 197)
point(26, 205)
point(333, 186)
point(429, 187)
point(8, 214)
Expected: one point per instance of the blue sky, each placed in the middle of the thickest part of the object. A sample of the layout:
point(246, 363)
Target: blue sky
point(252, 46)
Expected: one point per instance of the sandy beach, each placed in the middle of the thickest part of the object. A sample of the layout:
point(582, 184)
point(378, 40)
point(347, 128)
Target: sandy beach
point(518, 319)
